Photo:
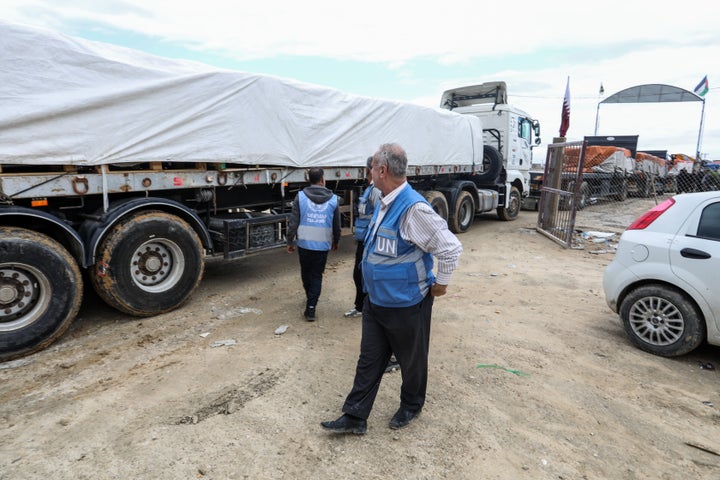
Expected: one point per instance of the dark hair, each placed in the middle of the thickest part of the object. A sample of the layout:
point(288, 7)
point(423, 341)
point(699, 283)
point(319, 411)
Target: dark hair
point(315, 175)
point(369, 163)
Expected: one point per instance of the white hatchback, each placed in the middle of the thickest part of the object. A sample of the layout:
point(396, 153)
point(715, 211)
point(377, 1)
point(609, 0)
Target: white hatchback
point(665, 279)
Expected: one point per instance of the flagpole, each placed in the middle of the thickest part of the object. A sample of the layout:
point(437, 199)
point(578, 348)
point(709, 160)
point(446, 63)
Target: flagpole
point(597, 116)
point(597, 113)
point(700, 131)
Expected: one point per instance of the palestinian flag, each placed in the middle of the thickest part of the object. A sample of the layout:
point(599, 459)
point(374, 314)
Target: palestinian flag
point(702, 87)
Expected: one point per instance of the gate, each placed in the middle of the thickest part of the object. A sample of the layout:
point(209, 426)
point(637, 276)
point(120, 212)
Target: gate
point(560, 194)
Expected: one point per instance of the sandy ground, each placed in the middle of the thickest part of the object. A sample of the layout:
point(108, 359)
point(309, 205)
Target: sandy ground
point(531, 377)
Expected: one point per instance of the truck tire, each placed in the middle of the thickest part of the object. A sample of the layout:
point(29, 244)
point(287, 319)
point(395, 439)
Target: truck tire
point(645, 189)
point(40, 291)
point(512, 208)
point(438, 202)
point(149, 264)
point(567, 202)
point(583, 196)
point(622, 193)
point(463, 213)
point(492, 165)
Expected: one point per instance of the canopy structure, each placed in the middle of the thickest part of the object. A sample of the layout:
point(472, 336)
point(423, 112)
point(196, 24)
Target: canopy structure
point(71, 101)
point(655, 93)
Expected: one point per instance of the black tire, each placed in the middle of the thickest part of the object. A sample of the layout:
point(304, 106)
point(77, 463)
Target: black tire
point(662, 320)
point(463, 213)
point(622, 195)
point(149, 264)
point(583, 196)
point(438, 202)
point(566, 202)
point(709, 183)
point(513, 203)
point(40, 291)
point(492, 165)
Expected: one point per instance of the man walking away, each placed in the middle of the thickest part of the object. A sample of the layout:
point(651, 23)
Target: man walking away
point(314, 226)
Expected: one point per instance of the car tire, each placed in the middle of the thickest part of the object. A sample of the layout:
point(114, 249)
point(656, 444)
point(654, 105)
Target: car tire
point(662, 320)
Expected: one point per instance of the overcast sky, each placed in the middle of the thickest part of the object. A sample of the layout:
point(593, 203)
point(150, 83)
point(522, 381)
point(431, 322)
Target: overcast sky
point(410, 51)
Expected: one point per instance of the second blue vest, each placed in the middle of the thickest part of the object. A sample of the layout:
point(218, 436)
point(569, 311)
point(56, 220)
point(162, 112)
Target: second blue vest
point(316, 222)
point(365, 214)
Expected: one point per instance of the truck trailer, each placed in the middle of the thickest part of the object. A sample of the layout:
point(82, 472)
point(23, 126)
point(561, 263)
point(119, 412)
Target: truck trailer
point(128, 170)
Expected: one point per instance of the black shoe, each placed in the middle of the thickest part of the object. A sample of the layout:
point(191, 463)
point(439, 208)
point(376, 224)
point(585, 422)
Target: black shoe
point(310, 314)
point(346, 424)
point(402, 418)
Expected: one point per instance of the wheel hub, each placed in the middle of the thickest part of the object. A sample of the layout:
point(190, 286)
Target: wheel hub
point(151, 264)
point(16, 293)
point(656, 321)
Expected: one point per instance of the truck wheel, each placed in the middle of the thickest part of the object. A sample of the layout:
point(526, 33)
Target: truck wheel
point(566, 202)
point(463, 213)
point(623, 193)
point(438, 202)
point(40, 291)
point(492, 165)
point(512, 208)
point(149, 264)
point(583, 196)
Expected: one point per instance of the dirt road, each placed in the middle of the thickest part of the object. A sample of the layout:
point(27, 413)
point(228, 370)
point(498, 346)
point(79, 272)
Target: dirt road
point(531, 377)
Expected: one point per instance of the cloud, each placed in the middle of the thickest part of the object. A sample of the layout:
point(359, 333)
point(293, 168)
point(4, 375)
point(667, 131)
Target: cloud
point(374, 30)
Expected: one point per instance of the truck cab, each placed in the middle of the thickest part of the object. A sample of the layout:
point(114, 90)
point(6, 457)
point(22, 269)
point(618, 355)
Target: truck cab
point(507, 130)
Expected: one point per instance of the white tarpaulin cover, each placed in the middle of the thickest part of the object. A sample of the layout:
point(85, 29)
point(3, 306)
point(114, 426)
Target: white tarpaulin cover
point(65, 100)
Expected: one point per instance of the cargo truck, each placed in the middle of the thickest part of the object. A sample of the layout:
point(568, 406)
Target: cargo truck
point(128, 171)
point(511, 135)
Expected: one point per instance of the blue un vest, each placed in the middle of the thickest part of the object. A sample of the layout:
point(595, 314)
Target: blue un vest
point(365, 213)
point(395, 272)
point(316, 222)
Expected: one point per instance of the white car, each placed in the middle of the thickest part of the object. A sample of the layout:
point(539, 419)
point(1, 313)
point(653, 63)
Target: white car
point(665, 279)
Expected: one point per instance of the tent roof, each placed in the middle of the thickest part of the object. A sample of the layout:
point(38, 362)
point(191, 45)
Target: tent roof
point(652, 93)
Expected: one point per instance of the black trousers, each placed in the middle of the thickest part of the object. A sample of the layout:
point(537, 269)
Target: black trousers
point(312, 267)
point(403, 331)
point(357, 277)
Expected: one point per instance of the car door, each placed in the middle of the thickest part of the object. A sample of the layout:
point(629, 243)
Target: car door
point(695, 254)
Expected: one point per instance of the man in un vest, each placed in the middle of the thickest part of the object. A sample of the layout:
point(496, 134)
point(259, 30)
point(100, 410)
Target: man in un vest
point(404, 238)
point(365, 210)
point(314, 226)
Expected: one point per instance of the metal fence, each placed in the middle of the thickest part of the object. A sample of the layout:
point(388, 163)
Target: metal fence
point(577, 177)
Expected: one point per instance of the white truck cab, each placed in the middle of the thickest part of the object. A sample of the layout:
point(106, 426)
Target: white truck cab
point(506, 129)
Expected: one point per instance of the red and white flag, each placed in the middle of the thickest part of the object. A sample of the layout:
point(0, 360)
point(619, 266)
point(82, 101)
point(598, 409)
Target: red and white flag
point(565, 119)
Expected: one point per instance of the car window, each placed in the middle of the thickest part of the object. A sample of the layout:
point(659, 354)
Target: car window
point(709, 226)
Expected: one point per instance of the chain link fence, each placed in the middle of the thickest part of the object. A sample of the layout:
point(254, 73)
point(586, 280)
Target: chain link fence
point(578, 176)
